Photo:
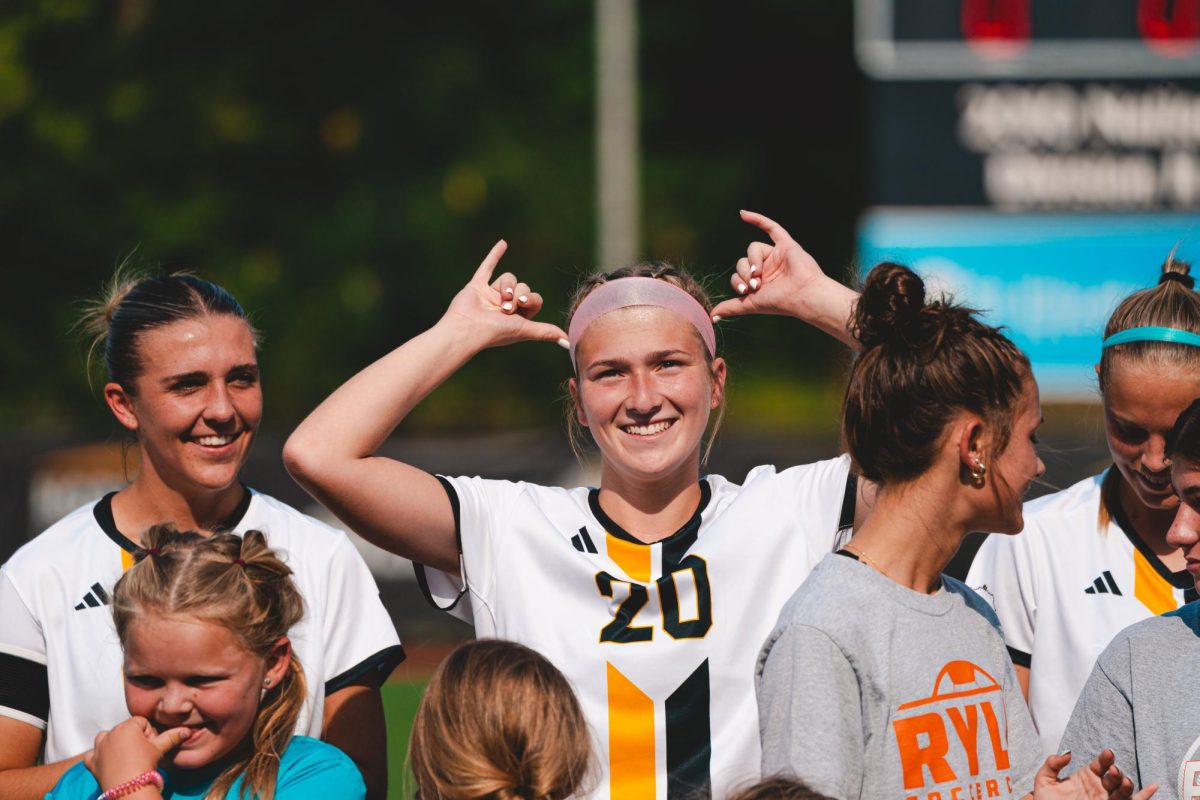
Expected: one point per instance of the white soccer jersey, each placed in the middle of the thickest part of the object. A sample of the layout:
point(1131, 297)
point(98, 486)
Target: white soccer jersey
point(659, 640)
point(1063, 588)
point(60, 660)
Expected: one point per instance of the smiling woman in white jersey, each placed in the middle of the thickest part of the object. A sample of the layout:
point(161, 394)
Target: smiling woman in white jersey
point(182, 364)
point(652, 592)
point(1094, 557)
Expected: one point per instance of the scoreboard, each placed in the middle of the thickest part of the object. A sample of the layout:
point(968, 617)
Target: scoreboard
point(1038, 157)
point(955, 39)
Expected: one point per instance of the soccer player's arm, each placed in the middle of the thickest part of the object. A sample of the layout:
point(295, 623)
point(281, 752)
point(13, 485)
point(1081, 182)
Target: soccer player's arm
point(354, 724)
point(332, 454)
point(24, 702)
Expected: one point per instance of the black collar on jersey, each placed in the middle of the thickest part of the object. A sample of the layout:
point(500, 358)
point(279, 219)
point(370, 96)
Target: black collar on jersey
point(679, 541)
point(1112, 501)
point(102, 511)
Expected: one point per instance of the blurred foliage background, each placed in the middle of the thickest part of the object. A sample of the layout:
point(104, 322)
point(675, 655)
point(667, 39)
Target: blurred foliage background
point(342, 168)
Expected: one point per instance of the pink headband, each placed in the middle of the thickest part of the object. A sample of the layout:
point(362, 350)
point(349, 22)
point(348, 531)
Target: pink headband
point(626, 292)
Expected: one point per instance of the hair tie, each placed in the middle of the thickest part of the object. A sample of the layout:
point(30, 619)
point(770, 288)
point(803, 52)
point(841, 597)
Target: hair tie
point(154, 551)
point(1152, 333)
point(240, 562)
point(1178, 277)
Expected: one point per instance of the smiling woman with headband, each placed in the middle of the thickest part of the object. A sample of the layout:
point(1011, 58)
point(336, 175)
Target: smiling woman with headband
point(1095, 557)
point(652, 592)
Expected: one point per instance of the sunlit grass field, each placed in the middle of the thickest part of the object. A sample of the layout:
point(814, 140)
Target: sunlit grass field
point(400, 698)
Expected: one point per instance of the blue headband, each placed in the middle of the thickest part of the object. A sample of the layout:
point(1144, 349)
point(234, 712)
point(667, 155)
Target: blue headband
point(1152, 334)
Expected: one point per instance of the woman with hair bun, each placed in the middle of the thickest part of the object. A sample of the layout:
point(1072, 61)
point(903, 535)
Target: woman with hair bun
point(884, 677)
point(183, 378)
point(213, 687)
point(1094, 557)
point(499, 721)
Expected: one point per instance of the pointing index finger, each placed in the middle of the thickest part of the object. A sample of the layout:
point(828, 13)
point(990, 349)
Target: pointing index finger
point(486, 267)
point(767, 225)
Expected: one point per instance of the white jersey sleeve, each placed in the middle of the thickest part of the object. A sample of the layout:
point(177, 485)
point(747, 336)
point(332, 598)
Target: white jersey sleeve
point(356, 625)
point(476, 503)
point(1004, 574)
point(24, 681)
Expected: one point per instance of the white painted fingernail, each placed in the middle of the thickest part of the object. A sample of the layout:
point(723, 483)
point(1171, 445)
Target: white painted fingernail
point(508, 292)
point(741, 288)
point(754, 283)
point(716, 317)
point(523, 299)
point(564, 344)
point(753, 268)
point(507, 306)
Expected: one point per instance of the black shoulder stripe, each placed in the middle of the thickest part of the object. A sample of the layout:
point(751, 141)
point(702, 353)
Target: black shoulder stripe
point(373, 669)
point(1020, 657)
point(454, 506)
point(24, 686)
point(419, 569)
point(849, 502)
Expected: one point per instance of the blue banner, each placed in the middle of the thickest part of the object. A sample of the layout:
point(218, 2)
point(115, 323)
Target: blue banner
point(1052, 280)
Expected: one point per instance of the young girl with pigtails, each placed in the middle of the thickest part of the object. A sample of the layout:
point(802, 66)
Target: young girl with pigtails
point(212, 685)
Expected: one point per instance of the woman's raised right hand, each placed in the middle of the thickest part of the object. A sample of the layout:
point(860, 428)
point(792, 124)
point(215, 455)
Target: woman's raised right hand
point(501, 311)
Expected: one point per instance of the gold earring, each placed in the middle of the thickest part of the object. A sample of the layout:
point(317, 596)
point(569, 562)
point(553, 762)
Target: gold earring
point(978, 471)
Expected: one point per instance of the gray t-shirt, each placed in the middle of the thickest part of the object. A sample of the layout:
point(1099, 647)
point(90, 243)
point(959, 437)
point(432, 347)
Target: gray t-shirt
point(868, 689)
point(1141, 701)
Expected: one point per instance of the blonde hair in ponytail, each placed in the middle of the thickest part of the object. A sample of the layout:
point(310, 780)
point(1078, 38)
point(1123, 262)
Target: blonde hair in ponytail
point(499, 722)
point(240, 584)
point(1171, 303)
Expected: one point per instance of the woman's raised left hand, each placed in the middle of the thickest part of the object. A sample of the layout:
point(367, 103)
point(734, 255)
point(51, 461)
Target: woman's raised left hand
point(782, 278)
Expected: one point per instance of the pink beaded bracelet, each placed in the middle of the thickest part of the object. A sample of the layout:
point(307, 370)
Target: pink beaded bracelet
point(132, 785)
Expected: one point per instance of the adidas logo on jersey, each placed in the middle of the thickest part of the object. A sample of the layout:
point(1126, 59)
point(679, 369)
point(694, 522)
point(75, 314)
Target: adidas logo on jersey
point(1103, 585)
point(583, 542)
point(95, 598)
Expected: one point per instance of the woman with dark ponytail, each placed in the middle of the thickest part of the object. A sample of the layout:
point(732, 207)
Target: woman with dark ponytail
point(211, 681)
point(1094, 557)
point(182, 364)
point(884, 677)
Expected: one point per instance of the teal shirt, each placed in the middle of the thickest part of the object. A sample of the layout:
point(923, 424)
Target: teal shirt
point(308, 768)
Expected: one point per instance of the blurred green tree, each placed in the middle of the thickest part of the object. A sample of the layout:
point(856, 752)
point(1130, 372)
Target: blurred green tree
point(343, 168)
